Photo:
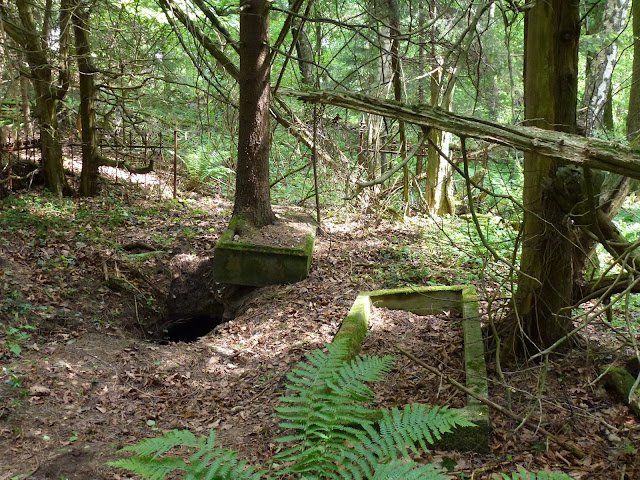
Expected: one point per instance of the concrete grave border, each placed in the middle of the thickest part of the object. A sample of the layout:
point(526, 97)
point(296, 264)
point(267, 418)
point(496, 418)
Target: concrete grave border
point(430, 301)
point(244, 263)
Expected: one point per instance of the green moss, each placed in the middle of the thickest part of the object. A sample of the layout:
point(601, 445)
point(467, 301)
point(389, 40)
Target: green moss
point(355, 326)
point(426, 301)
point(245, 263)
point(621, 382)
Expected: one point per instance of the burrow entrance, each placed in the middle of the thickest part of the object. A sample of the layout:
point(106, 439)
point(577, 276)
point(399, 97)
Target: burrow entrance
point(196, 304)
point(188, 320)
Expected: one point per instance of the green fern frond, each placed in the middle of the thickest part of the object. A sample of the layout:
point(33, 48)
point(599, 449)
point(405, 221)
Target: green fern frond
point(401, 470)
point(209, 462)
point(150, 468)
point(324, 407)
point(399, 434)
point(523, 474)
point(155, 447)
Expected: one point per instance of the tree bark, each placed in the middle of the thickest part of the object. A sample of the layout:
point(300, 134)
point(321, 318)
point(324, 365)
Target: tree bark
point(438, 194)
point(49, 91)
point(26, 107)
point(606, 21)
point(588, 152)
point(552, 31)
point(90, 160)
point(252, 197)
point(396, 71)
point(633, 118)
point(304, 50)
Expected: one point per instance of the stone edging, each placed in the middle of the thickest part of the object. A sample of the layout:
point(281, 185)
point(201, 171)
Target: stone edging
point(430, 301)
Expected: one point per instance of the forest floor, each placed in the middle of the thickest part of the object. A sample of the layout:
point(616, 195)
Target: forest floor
point(81, 376)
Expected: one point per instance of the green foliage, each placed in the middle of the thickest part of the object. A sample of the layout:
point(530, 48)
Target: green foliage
point(16, 337)
point(208, 462)
point(523, 474)
point(205, 166)
point(333, 432)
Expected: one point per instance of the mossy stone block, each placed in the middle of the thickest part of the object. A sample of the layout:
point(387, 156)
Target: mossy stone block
point(430, 301)
point(245, 263)
point(621, 382)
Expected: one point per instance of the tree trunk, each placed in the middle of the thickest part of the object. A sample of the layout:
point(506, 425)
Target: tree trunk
point(376, 131)
point(51, 146)
point(552, 31)
point(633, 118)
point(575, 149)
point(304, 50)
point(422, 39)
point(49, 91)
point(90, 161)
point(396, 69)
point(605, 22)
point(252, 197)
point(26, 106)
point(438, 193)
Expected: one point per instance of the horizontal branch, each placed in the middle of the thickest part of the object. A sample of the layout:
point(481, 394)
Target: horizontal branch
point(586, 152)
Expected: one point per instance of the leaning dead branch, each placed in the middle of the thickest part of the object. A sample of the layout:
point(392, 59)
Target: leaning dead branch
point(586, 152)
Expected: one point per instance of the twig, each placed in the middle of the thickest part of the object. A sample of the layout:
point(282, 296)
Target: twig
point(533, 424)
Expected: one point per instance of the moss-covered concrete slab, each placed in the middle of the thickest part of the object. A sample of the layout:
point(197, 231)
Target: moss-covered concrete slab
point(239, 262)
point(430, 301)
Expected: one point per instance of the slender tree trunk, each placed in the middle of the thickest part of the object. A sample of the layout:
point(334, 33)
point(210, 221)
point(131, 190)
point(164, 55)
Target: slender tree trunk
point(607, 20)
point(376, 131)
point(633, 118)
point(252, 197)
point(396, 69)
point(552, 32)
point(422, 39)
point(90, 160)
point(438, 193)
point(26, 106)
point(304, 51)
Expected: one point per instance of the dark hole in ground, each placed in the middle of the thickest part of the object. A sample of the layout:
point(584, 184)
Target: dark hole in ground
point(191, 329)
point(195, 311)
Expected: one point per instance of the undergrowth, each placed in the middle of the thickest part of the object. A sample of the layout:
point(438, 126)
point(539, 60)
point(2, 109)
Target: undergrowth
point(330, 432)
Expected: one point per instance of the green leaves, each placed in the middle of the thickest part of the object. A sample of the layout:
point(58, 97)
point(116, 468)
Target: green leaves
point(523, 474)
point(208, 462)
point(337, 436)
point(333, 433)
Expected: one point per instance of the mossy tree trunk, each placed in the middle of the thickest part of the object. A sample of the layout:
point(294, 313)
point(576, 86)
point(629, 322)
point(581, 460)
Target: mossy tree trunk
point(545, 285)
point(438, 193)
point(633, 118)
point(252, 197)
point(34, 41)
point(90, 160)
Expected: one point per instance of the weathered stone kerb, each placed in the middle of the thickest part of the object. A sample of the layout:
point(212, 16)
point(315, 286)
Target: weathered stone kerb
point(431, 301)
point(239, 262)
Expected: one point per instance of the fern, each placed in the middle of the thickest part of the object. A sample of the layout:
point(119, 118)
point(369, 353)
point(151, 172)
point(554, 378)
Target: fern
point(523, 474)
point(334, 433)
point(209, 462)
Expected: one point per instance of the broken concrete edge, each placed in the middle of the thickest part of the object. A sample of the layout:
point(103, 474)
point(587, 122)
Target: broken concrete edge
point(462, 298)
point(305, 249)
point(621, 382)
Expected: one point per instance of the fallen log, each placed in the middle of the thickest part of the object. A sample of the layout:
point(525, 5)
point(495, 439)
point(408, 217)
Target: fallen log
point(586, 152)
